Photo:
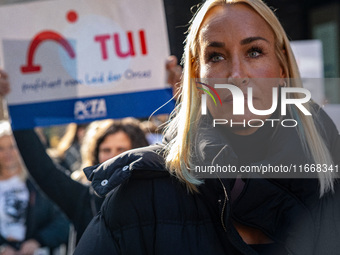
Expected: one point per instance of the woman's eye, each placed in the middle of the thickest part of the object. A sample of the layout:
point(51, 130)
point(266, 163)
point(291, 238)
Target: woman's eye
point(254, 53)
point(216, 57)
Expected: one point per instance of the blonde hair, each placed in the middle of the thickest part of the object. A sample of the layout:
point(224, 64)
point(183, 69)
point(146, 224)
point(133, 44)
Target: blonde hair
point(178, 152)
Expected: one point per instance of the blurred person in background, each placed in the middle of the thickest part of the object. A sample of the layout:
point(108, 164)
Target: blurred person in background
point(28, 220)
point(108, 138)
point(103, 140)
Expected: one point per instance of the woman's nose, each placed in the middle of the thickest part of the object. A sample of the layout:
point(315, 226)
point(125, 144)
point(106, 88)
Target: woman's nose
point(114, 153)
point(238, 73)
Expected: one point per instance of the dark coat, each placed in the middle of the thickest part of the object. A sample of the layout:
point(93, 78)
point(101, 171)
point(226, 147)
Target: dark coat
point(76, 200)
point(148, 211)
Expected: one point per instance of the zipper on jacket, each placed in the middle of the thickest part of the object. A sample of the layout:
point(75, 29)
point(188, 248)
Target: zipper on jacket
point(226, 199)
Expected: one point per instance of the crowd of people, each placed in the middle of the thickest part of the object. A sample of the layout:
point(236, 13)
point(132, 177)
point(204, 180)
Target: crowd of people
point(121, 187)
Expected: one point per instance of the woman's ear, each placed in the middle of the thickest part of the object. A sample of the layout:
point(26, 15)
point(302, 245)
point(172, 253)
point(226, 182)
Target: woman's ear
point(282, 74)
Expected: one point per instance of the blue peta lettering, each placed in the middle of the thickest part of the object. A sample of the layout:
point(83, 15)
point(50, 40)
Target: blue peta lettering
point(90, 109)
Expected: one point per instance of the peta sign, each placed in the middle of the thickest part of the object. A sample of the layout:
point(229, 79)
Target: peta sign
point(75, 61)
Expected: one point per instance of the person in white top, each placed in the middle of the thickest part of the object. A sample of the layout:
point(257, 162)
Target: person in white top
point(27, 219)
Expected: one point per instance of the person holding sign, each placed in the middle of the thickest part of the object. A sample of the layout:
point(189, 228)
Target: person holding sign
point(103, 140)
point(157, 201)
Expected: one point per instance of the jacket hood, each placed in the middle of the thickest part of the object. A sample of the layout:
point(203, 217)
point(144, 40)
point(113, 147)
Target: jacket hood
point(108, 175)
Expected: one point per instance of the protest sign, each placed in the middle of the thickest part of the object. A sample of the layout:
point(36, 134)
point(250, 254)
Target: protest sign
point(81, 60)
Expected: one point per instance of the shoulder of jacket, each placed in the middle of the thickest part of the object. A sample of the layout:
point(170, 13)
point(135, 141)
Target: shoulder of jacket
point(146, 162)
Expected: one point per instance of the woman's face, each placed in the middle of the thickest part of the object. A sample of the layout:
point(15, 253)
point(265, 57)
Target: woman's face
point(9, 155)
point(114, 145)
point(236, 44)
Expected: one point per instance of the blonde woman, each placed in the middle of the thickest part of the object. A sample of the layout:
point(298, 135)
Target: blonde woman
point(159, 203)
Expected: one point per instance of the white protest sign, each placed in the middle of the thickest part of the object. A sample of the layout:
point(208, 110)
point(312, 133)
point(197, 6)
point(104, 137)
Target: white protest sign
point(82, 59)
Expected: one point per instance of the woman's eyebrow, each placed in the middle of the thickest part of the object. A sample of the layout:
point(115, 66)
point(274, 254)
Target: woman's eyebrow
point(245, 41)
point(216, 44)
point(252, 39)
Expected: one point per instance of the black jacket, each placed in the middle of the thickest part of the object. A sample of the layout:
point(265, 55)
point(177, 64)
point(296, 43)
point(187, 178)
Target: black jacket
point(44, 221)
point(148, 211)
point(76, 200)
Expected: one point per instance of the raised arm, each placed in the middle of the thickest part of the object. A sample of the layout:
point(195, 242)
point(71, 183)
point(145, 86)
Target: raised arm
point(72, 197)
